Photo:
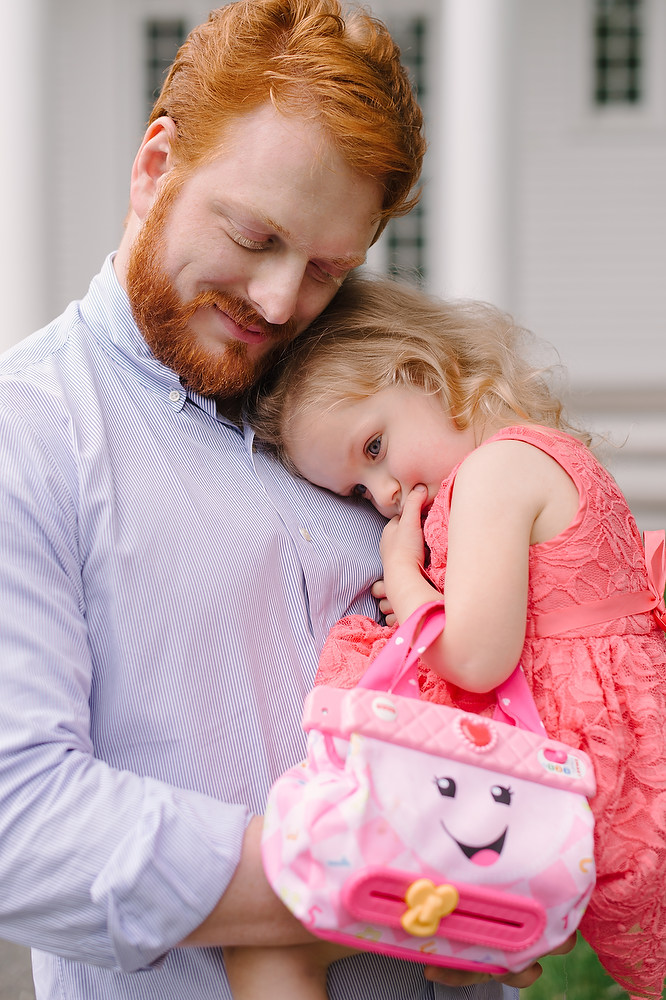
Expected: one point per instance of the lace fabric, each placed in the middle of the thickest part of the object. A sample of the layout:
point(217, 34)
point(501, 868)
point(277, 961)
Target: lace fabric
point(600, 688)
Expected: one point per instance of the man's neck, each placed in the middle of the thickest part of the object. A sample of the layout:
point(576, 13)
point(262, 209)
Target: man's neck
point(231, 408)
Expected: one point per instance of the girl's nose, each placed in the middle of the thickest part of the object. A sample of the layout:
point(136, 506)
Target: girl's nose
point(385, 495)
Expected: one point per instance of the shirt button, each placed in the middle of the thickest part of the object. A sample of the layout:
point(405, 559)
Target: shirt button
point(174, 395)
point(305, 534)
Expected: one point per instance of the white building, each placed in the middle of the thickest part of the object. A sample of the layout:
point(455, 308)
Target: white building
point(544, 180)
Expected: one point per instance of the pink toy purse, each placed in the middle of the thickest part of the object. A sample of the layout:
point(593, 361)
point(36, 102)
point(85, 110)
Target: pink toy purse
point(428, 833)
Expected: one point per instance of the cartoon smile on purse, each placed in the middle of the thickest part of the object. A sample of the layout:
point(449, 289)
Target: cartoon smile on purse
point(479, 854)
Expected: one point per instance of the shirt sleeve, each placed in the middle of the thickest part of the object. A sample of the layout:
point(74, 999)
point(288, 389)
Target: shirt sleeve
point(97, 864)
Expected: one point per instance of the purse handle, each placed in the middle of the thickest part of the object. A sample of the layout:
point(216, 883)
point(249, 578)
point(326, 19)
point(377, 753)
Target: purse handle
point(395, 669)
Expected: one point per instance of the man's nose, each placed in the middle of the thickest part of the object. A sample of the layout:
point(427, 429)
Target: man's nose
point(275, 287)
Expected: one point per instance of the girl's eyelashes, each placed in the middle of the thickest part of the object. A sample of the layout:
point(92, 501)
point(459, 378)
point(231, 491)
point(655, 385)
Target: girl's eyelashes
point(372, 449)
point(374, 446)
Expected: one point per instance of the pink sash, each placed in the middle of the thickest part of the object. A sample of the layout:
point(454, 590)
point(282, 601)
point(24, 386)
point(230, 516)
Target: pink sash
point(618, 605)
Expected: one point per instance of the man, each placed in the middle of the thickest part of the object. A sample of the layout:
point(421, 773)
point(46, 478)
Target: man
point(165, 589)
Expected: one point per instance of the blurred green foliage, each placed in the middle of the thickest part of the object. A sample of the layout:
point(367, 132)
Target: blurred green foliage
point(576, 976)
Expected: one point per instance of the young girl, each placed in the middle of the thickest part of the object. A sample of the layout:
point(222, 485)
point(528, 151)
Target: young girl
point(429, 411)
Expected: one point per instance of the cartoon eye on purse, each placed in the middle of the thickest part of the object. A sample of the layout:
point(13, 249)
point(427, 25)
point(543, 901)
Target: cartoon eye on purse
point(428, 833)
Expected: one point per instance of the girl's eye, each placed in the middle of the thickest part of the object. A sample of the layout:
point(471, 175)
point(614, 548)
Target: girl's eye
point(374, 447)
point(359, 490)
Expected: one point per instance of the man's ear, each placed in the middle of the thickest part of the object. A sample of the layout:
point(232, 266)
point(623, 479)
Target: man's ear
point(152, 162)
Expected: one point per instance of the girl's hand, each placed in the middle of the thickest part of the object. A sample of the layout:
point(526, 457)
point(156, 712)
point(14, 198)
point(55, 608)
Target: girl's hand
point(378, 591)
point(403, 551)
point(402, 539)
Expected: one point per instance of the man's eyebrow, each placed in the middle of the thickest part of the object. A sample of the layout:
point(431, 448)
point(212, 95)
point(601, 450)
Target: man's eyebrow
point(346, 262)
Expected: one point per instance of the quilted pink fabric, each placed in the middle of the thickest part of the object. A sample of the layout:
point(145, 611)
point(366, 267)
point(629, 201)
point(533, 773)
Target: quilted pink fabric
point(600, 688)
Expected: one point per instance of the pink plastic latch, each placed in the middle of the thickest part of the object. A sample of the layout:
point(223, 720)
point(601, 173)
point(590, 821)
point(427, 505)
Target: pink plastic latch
point(482, 915)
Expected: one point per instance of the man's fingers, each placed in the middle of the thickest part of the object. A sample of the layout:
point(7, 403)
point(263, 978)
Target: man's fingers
point(521, 980)
point(455, 977)
point(461, 977)
point(566, 946)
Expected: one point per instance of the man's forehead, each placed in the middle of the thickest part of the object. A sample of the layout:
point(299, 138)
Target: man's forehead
point(284, 174)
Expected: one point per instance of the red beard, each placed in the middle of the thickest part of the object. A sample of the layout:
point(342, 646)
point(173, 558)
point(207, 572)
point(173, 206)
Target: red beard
point(163, 318)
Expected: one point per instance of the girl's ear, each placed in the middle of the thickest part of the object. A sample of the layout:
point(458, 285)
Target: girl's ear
point(152, 162)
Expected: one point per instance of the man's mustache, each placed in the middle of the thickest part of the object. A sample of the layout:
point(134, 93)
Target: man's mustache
point(241, 312)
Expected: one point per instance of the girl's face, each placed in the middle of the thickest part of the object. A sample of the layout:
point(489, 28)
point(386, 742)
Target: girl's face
point(379, 447)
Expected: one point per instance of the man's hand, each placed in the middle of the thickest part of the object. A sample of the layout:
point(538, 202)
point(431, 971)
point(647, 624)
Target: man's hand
point(521, 980)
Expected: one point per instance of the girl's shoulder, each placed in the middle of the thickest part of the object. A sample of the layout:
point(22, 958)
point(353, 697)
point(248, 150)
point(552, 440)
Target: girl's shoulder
point(512, 465)
point(525, 444)
point(545, 438)
point(525, 478)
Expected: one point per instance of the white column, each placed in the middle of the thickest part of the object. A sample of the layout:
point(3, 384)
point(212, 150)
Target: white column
point(470, 224)
point(23, 168)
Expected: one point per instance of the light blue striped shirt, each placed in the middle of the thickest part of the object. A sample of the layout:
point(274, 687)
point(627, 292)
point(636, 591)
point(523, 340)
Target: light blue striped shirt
point(165, 591)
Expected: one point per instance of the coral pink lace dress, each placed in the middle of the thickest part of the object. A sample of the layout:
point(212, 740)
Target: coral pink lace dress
point(597, 671)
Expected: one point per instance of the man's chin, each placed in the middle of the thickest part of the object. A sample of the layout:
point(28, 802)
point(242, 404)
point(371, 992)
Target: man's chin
point(212, 375)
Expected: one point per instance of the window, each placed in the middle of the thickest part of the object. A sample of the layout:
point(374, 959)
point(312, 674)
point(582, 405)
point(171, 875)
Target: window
point(162, 39)
point(405, 236)
point(618, 57)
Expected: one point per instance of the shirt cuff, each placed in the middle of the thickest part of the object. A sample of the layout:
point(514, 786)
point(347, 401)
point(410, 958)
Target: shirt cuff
point(168, 873)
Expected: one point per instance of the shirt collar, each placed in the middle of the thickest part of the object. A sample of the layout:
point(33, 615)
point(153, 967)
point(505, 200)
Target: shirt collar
point(107, 313)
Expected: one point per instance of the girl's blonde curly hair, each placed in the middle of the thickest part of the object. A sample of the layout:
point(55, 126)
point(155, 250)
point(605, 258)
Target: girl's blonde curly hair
point(378, 332)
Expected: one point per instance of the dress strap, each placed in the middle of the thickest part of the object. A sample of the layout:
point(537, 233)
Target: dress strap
point(618, 605)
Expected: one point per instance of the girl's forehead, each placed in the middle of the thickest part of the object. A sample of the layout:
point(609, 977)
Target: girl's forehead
point(321, 443)
point(346, 411)
point(316, 415)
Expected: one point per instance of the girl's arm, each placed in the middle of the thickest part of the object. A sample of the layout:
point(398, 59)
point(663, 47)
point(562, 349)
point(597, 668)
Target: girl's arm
point(500, 491)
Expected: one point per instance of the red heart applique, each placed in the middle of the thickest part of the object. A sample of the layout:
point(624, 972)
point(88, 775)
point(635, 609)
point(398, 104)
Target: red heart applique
point(477, 732)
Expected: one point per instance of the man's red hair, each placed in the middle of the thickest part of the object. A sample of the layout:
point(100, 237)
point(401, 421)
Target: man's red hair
point(308, 60)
